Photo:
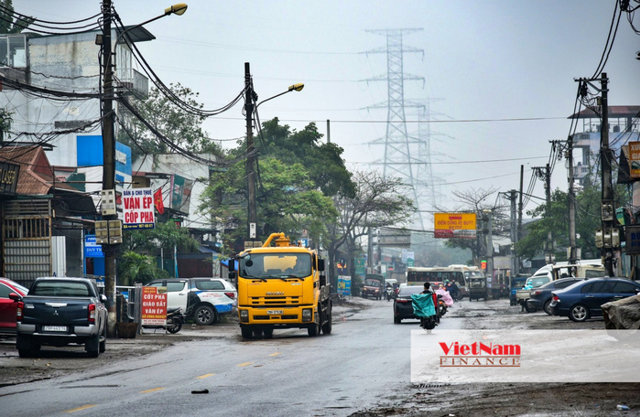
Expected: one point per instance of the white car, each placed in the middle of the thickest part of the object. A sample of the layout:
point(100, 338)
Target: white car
point(202, 299)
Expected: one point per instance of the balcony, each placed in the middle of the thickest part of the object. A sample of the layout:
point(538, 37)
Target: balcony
point(133, 82)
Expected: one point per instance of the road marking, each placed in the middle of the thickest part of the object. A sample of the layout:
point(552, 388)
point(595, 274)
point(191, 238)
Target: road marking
point(275, 354)
point(243, 364)
point(151, 390)
point(205, 376)
point(82, 407)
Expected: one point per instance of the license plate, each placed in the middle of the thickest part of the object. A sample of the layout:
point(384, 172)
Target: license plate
point(274, 311)
point(54, 328)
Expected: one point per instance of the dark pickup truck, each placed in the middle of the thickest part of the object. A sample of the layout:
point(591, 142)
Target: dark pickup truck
point(61, 311)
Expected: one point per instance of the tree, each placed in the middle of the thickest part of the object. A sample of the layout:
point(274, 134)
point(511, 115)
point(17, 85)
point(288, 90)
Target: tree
point(475, 201)
point(377, 202)
point(7, 23)
point(296, 176)
point(557, 220)
point(180, 127)
point(141, 246)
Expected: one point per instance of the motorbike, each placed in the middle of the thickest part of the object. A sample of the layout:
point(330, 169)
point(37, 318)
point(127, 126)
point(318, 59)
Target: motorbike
point(442, 306)
point(175, 320)
point(424, 307)
point(390, 293)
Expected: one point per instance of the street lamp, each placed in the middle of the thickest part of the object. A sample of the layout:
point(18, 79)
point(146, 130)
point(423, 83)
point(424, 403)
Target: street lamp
point(108, 144)
point(249, 108)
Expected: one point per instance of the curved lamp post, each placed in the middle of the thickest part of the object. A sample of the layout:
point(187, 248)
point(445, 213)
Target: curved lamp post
point(252, 211)
point(109, 148)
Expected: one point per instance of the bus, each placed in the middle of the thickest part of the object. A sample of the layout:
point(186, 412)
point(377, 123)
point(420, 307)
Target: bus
point(437, 275)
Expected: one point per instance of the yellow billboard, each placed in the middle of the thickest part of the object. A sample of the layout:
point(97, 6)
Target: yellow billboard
point(455, 225)
point(634, 159)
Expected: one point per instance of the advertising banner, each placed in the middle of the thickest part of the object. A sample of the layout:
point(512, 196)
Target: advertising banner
point(138, 208)
point(634, 159)
point(154, 307)
point(92, 249)
point(454, 225)
point(344, 285)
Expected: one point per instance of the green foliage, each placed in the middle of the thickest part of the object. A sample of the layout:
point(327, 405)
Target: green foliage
point(557, 221)
point(182, 128)
point(164, 235)
point(7, 24)
point(296, 177)
point(134, 267)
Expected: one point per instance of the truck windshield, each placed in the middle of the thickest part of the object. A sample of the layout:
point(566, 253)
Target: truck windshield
point(275, 265)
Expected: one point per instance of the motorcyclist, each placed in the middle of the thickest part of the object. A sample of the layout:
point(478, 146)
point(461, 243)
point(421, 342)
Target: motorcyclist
point(453, 289)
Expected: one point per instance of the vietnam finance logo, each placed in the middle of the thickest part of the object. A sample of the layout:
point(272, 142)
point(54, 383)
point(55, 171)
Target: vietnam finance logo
point(480, 355)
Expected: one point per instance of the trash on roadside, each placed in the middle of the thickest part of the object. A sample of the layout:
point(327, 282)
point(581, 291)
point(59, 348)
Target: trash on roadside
point(200, 391)
point(622, 407)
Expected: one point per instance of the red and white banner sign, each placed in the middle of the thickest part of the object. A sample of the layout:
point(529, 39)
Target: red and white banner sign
point(138, 209)
point(154, 307)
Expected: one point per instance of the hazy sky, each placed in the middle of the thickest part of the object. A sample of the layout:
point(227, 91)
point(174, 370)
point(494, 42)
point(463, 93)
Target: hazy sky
point(482, 60)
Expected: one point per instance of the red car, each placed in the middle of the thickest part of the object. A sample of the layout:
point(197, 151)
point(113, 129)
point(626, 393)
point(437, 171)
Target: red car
point(8, 306)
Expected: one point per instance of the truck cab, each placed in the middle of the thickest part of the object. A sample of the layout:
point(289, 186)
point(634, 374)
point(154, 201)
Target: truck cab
point(282, 286)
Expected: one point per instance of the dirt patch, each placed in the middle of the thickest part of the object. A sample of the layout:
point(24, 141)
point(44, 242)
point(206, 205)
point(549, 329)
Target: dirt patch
point(514, 400)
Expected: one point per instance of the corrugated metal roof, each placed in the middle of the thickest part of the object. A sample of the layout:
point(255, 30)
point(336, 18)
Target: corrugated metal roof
point(614, 111)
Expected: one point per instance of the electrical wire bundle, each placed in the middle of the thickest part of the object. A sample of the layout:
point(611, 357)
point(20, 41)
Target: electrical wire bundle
point(22, 22)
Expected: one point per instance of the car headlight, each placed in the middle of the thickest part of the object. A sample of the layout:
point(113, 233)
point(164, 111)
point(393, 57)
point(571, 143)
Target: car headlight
point(244, 316)
point(307, 313)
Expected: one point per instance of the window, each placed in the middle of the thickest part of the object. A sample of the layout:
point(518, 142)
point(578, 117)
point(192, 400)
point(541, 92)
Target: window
point(171, 286)
point(60, 289)
point(4, 291)
point(564, 284)
point(207, 285)
point(625, 288)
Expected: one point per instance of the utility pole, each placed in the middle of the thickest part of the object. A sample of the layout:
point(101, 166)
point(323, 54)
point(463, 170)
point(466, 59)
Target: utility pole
point(544, 173)
point(109, 156)
point(573, 256)
point(489, 225)
point(250, 165)
point(514, 233)
point(609, 232)
point(328, 131)
point(519, 230)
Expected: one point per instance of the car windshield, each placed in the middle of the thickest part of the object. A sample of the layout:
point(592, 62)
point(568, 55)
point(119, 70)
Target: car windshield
point(275, 265)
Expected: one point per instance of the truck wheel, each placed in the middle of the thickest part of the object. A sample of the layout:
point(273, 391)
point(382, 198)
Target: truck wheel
point(92, 346)
point(26, 347)
point(326, 327)
point(267, 332)
point(103, 342)
point(205, 315)
point(397, 320)
point(314, 328)
point(257, 333)
point(246, 332)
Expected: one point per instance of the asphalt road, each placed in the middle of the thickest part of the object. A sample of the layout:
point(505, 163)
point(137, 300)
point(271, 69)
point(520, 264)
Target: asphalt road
point(365, 360)
point(361, 369)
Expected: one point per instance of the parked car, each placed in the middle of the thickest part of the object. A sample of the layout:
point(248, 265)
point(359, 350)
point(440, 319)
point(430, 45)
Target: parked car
point(540, 298)
point(202, 299)
point(402, 306)
point(522, 295)
point(582, 300)
point(8, 306)
point(60, 311)
point(515, 284)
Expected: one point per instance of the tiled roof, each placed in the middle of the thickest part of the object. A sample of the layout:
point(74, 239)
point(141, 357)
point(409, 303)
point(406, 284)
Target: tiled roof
point(36, 174)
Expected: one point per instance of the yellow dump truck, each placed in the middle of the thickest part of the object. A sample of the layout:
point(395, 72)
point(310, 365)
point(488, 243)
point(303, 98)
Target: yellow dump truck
point(282, 286)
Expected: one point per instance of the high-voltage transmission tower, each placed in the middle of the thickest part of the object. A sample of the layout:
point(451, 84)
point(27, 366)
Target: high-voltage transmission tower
point(403, 154)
